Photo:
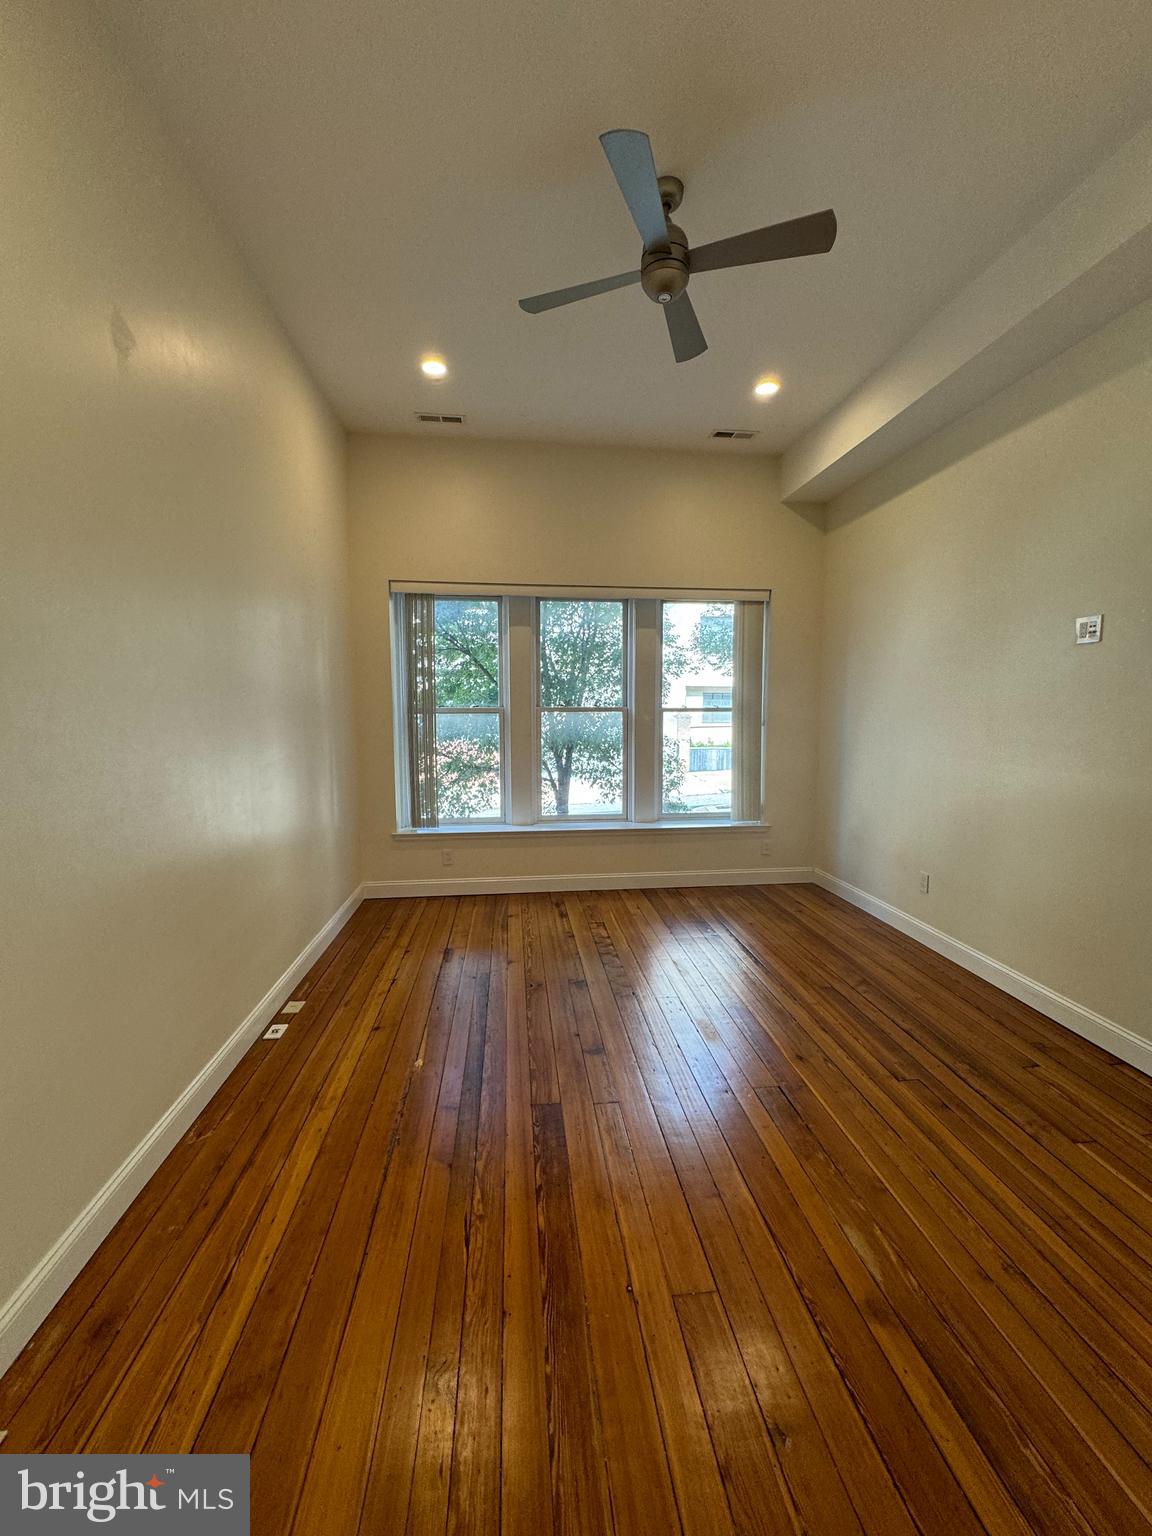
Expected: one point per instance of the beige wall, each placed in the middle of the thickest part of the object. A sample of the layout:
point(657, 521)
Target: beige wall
point(468, 510)
point(964, 732)
point(176, 790)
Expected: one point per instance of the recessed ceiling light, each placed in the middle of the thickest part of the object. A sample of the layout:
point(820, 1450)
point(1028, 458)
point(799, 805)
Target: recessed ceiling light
point(767, 387)
point(433, 367)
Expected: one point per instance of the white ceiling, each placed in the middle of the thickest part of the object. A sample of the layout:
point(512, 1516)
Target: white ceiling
point(400, 173)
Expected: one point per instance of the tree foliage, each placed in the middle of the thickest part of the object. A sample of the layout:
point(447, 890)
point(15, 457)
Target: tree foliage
point(467, 677)
point(713, 637)
point(581, 668)
point(467, 653)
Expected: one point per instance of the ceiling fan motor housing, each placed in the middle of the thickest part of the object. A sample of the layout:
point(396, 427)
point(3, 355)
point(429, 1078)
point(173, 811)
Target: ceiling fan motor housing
point(664, 269)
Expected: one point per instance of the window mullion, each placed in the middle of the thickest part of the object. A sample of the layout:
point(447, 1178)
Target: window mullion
point(520, 733)
point(647, 718)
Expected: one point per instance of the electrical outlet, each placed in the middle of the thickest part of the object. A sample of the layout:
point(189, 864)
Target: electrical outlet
point(925, 881)
point(274, 1031)
point(292, 1007)
point(766, 848)
point(447, 857)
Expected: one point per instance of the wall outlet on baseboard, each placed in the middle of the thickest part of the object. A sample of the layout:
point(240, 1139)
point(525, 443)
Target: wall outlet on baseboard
point(447, 857)
point(925, 881)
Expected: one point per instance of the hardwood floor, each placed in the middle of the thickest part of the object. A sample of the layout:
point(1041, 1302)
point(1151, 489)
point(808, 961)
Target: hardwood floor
point(709, 1211)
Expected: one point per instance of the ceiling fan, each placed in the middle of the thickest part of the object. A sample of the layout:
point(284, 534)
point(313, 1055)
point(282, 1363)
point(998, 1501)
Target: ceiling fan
point(667, 263)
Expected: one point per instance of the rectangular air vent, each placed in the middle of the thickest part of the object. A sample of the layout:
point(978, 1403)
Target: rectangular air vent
point(444, 421)
point(733, 434)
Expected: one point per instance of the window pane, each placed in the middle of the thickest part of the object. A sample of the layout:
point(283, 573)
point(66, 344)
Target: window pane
point(698, 655)
point(581, 654)
point(467, 766)
point(581, 764)
point(467, 652)
point(696, 764)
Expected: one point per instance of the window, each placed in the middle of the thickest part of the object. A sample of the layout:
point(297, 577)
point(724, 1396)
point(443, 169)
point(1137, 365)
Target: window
point(469, 712)
point(547, 710)
point(697, 663)
point(582, 707)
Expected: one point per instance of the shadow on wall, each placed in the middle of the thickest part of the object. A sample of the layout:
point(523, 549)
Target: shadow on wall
point(1124, 344)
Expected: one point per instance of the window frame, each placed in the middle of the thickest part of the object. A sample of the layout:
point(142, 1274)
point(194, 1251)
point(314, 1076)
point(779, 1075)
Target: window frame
point(520, 711)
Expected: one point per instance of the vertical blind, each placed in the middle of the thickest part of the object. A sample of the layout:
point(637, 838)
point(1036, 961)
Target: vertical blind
point(419, 670)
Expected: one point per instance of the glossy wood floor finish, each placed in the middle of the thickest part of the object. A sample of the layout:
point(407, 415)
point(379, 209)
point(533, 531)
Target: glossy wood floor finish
point(641, 1212)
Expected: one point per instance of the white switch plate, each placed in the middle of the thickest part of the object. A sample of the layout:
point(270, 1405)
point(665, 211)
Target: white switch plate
point(274, 1031)
point(292, 1007)
point(1088, 629)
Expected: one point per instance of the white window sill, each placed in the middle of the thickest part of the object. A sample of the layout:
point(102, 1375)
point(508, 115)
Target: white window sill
point(568, 828)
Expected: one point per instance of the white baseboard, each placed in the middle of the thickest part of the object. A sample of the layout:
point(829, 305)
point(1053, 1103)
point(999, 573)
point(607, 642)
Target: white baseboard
point(1106, 1033)
point(31, 1303)
point(636, 881)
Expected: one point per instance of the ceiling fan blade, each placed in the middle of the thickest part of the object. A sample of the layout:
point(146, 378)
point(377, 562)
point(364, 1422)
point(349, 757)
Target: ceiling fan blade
point(684, 329)
point(630, 156)
point(541, 301)
point(809, 236)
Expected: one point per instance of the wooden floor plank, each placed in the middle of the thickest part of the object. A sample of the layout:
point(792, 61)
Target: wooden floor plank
point(757, 1492)
point(477, 1446)
point(435, 1398)
point(931, 1451)
point(700, 1496)
point(978, 1223)
point(803, 1448)
point(635, 1213)
point(1055, 1119)
point(639, 1476)
point(526, 1486)
point(580, 1500)
point(1103, 1233)
point(440, 1012)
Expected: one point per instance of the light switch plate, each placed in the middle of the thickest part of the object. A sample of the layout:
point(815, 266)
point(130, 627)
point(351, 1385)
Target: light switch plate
point(1088, 629)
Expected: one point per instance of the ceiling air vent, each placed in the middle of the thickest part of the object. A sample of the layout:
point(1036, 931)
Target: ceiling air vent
point(731, 434)
point(444, 421)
